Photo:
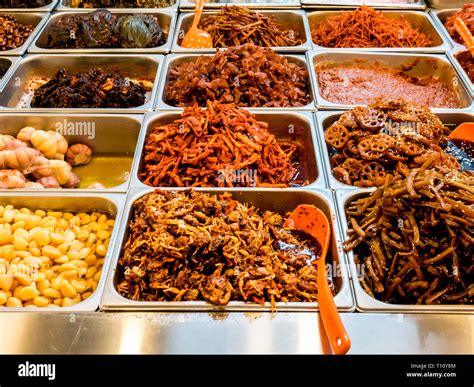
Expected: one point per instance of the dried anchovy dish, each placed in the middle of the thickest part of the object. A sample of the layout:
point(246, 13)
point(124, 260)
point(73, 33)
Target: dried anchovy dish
point(387, 137)
point(189, 246)
point(235, 25)
point(415, 237)
point(220, 146)
point(247, 75)
point(93, 89)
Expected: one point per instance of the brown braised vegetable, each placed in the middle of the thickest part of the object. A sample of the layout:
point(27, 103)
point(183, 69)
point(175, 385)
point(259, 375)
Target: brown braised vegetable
point(79, 154)
point(415, 237)
point(93, 89)
point(466, 14)
point(12, 33)
point(388, 137)
point(122, 3)
point(188, 246)
point(24, 3)
point(466, 61)
point(222, 146)
point(235, 25)
point(246, 75)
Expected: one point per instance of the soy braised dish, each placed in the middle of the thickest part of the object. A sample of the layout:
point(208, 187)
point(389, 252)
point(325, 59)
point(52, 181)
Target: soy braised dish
point(189, 246)
point(415, 237)
point(102, 29)
point(220, 146)
point(234, 25)
point(386, 138)
point(247, 75)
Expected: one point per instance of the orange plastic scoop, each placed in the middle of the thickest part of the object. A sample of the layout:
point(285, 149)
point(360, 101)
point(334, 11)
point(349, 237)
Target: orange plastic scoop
point(312, 220)
point(195, 37)
point(465, 34)
point(463, 133)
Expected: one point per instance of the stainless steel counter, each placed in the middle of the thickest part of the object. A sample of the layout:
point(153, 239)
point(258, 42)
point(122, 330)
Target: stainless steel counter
point(233, 333)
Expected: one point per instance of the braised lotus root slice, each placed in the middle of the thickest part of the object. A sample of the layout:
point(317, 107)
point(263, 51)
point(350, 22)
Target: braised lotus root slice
point(337, 136)
point(370, 119)
point(381, 142)
point(342, 175)
point(394, 154)
point(373, 172)
point(401, 116)
point(336, 159)
point(365, 150)
point(388, 104)
point(348, 119)
point(353, 167)
point(411, 148)
point(351, 146)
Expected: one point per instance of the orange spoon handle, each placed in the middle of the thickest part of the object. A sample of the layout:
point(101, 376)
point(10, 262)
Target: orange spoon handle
point(337, 335)
point(465, 34)
point(198, 12)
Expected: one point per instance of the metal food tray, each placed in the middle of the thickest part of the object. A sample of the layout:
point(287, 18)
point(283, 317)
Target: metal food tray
point(188, 5)
point(280, 123)
point(440, 17)
point(441, 4)
point(271, 199)
point(45, 66)
point(113, 135)
point(435, 65)
point(65, 6)
point(10, 64)
point(291, 19)
point(418, 19)
point(379, 4)
point(111, 204)
point(37, 20)
point(47, 8)
point(173, 60)
point(461, 71)
point(366, 303)
point(325, 119)
point(166, 19)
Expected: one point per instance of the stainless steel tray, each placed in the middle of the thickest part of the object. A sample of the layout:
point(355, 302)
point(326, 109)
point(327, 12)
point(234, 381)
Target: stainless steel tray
point(325, 119)
point(8, 63)
point(111, 204)
point(65, 5)
point(37, 19)
point(45, 66)
point(379, 4)
point(106, 135)
point(436, 65)
point(47, 8)
point(277, 200)
point(291, 19)
point(440, 17)
point(418, 19)
point(188, 5)
point(461, 71)
point(173, 60)
point(280, 123)
point(366, 303)
point(442, 4)
point(166, 19)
